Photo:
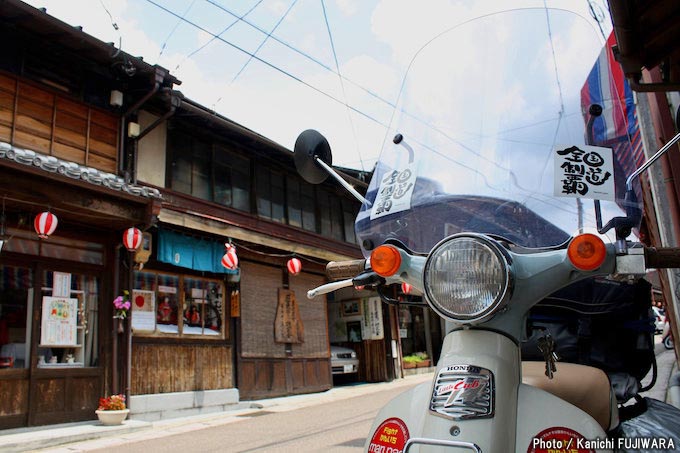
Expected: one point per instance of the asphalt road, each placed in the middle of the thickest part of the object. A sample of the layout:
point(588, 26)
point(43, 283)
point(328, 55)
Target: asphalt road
point(340, 426)
point(333, 425)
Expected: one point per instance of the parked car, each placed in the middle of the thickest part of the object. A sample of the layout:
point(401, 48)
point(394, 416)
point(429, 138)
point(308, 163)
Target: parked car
point(659, 319)
point(343, 360)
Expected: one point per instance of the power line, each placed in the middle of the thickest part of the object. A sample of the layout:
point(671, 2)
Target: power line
point(214, 36)
point(301, 53)
point(265, 40)
point(172, 32)
point(267, 63)
point(342, 85)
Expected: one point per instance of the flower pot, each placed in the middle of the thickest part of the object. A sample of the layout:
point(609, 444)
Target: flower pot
point(408, 365)
point(112, 417)
point(423, 363)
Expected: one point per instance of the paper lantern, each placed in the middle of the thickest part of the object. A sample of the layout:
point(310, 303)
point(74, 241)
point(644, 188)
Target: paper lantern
point(45, 223)
point(406, 288)
point(294, 266)
point(230, 260)
point(132, 239)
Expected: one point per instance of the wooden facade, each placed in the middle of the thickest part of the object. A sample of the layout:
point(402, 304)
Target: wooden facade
point(51, 123)
point(268, 368)
point(60, 151)
point(159, 367)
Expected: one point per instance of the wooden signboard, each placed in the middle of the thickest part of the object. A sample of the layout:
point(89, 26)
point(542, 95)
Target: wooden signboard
point(235, 303)
point(288, 324)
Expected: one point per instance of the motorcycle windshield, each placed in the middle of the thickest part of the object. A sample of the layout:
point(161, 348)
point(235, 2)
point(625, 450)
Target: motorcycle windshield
point(490, 136)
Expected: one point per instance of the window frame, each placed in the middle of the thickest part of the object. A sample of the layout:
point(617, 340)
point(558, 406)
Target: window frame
point(181, 302)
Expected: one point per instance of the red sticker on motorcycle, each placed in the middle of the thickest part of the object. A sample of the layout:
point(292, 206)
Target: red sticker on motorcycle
point(558, 440)
point(390, 437)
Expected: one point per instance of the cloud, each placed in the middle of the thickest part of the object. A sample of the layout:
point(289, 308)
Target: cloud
point(347, 7)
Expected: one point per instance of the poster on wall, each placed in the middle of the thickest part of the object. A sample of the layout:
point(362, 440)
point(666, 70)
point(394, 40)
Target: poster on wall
point(61, 284)
point(372, 325)
point(59, 322)
point(288, 326)
point(143, 310)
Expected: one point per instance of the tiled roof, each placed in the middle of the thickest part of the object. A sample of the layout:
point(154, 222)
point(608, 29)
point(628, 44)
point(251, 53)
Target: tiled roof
point(73, 170)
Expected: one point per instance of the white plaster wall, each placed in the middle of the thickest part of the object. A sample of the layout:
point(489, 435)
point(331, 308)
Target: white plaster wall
point(151, 152)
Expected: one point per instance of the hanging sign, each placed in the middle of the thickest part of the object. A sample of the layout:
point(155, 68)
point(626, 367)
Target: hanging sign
point(59, 322)
point(395, 191)
point(372, 325)
point(584, 172)
point(61, 284)
point(288, 326)
point(235, 302)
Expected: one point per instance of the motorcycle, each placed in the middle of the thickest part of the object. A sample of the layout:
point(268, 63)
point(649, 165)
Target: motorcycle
point(486, 199)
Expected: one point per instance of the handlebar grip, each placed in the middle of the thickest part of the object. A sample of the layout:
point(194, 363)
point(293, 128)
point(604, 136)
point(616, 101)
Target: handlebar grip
point(340, 270)
point(662, 257)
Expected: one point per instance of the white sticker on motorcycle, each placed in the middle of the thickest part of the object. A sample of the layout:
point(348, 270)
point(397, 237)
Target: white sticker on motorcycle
point(395, 191)
point(584, 172)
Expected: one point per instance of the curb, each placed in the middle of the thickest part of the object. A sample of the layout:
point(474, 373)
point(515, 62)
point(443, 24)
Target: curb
point(24, 439)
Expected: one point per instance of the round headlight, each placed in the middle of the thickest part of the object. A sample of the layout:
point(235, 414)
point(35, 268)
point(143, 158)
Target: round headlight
point(466, 278)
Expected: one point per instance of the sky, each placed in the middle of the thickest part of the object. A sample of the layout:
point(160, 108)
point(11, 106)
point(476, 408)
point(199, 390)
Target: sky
point(279, 67)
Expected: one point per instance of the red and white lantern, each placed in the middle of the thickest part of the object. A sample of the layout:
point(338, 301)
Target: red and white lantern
point(45, 223)
point(294, 266)
point(132, 239)
point(406, 288)
point(230, 260)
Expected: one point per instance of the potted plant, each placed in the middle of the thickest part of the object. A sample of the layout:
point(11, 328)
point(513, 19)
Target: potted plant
point(410, 361)
point(417, 360)
point(424, 360)
point(112, 410)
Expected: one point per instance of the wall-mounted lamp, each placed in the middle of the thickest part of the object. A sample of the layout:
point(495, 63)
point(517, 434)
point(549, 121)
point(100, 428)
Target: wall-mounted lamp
point(116, 99)
point(133, 129)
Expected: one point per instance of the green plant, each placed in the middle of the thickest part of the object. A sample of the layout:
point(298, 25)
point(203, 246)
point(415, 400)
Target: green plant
point(415, 358)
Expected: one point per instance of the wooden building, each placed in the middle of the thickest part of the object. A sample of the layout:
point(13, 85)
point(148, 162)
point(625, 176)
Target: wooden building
point(105, 142)
point(60, 152)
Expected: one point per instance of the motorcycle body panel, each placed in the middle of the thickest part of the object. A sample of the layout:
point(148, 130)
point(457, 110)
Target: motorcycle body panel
point(520, 412)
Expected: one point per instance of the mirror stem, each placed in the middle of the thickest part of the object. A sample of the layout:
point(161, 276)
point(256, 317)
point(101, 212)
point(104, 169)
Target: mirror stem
point(344, 183)
point(650, 161)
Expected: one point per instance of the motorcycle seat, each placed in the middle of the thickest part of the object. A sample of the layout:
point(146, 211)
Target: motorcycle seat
point(585, 387)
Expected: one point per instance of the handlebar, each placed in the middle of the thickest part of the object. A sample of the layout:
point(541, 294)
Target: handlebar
point(341, 270)
point(662, 257)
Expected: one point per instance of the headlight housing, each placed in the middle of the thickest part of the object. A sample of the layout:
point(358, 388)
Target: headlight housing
point(467, 278)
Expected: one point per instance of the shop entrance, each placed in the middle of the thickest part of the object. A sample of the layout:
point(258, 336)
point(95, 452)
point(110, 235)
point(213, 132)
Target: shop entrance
point(49, 343)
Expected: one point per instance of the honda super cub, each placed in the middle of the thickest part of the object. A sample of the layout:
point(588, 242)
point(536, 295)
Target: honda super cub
point(486, 199)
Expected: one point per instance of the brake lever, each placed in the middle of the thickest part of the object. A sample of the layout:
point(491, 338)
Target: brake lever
point(329, 288)
point(368, 278)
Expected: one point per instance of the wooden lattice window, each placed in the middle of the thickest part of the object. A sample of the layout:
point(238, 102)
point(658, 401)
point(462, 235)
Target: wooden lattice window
point(44, 121)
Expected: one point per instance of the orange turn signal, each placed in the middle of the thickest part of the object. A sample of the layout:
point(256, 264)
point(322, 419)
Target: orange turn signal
point(385, 260)
point(586, 252)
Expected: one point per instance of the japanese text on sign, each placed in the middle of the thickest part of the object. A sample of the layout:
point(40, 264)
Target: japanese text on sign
point(59, 317)
point(395, 191)
point(288, 326)
point(584, 172)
